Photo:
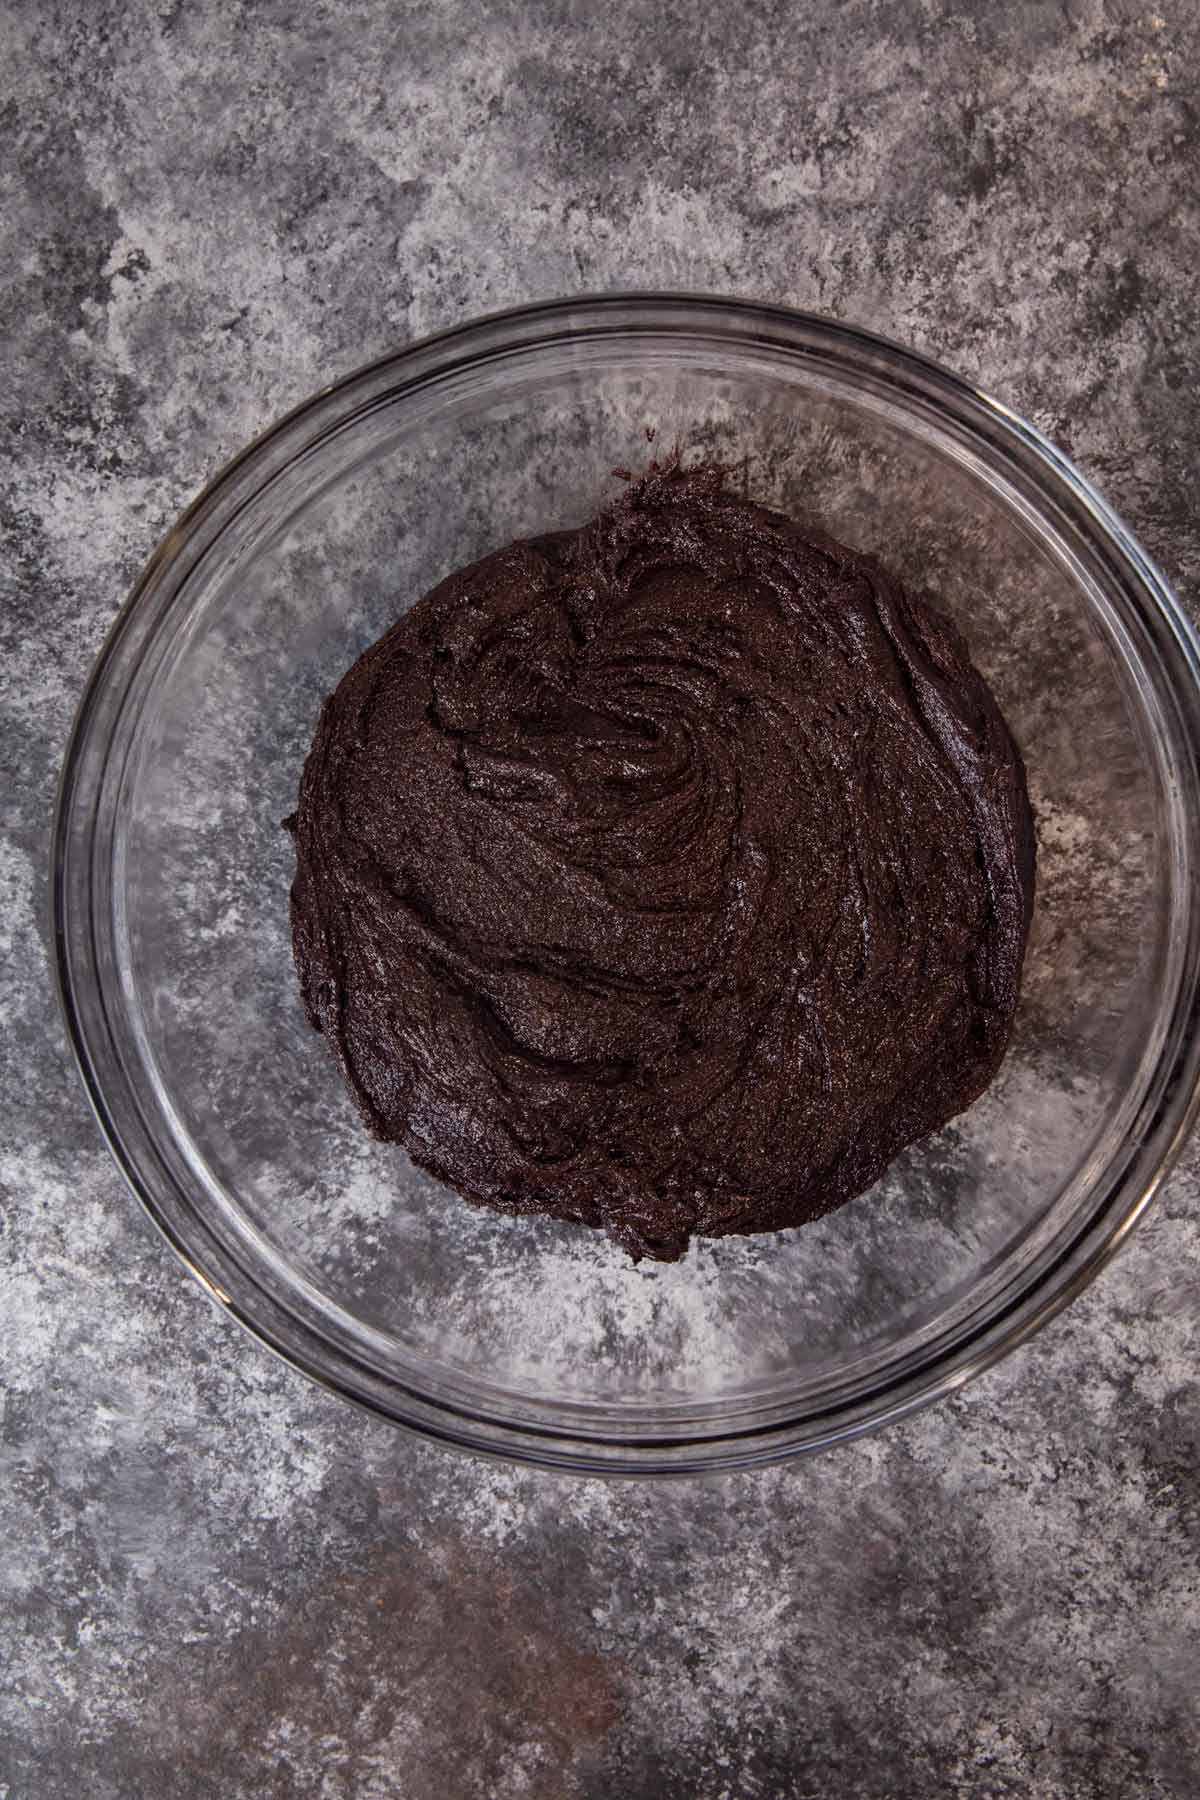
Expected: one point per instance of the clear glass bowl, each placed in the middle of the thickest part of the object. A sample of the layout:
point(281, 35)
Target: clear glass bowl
point(532, 1339)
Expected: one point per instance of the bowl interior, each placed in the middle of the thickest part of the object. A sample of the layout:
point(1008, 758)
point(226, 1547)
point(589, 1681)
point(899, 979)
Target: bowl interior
point(519, 1316)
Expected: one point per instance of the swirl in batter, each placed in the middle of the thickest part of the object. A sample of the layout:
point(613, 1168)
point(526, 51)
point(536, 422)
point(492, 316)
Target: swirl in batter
point(669, 875)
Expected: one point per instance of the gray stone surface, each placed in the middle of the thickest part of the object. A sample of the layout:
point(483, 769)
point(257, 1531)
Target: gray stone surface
point(216, 1580)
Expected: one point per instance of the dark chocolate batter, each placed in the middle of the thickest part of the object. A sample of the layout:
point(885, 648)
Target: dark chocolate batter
point(669, 875)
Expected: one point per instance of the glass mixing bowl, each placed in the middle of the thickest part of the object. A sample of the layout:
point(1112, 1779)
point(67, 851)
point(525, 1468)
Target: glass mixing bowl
point(532, 1339)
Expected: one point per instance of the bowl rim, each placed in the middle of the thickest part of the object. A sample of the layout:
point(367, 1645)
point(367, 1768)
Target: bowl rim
point(1160, 1137)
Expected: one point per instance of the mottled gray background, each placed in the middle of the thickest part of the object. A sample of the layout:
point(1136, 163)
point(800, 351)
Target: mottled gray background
point(215, 1579)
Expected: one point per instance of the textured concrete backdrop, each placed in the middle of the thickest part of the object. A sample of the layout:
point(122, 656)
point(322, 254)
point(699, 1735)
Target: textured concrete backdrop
point(215, 1579)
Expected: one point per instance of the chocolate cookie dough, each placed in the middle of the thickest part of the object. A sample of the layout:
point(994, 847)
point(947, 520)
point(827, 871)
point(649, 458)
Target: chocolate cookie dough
point(669, 875)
